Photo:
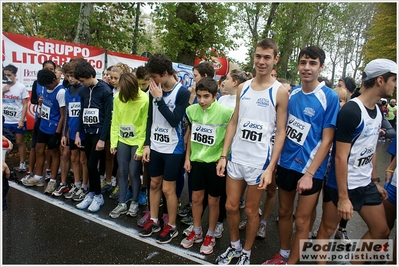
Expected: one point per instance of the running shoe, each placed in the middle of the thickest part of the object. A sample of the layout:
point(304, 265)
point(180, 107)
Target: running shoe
point(242, 225)
point(261, 231)
point(50, 188)
point(133, 209)
point(314, 234)
point(188, 219)
point(26, 177)
point(207, 246)
point(113, 181)
point(22, 167)
point(32, 181)
point(80, 195)
point(62, 189)
point(129, 196)
point(277, 260)
point(115, 193)
point(142, 198)
point(98, 201)
point(188, 230)
point(106, 187)
point(85, 203)
point(165, 218)
point(74, 189)
point(47, 175)
point(150, 228)
point(242, 203)
point(342, 235)
point(183, 212)
point(219, 230)
point(118, 211)
point(226, 257)
point(192, 238)
point(143, 220)
point(243, 259)
point(167, 234)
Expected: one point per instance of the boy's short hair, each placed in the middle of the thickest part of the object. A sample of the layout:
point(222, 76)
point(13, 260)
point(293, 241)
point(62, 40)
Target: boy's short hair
point(45, 77)
point(11, 68)
point(326, 81)
point(141, 73)
point(84, 70)
point(158, 64)
point(268, 43)
point(205, 67)
point(313, 52)
point(207, 84)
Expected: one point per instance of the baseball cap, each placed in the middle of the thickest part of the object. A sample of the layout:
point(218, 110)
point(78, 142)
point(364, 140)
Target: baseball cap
point(378, 67)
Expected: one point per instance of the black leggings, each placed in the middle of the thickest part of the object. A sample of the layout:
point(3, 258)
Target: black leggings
point(92, 160)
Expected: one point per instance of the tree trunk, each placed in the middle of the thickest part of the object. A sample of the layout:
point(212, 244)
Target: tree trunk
point(83, 31)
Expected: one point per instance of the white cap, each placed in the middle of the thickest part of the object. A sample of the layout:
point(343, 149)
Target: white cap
point(378, 67)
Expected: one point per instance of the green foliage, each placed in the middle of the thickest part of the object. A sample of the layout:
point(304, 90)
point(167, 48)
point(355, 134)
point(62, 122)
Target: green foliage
point(186, 28)
point(381, 41)
point(111, 24)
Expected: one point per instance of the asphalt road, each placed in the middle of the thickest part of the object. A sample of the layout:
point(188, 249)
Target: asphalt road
point(40, 229)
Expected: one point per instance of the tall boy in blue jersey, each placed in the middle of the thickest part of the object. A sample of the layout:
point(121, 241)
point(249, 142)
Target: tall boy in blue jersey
point(52, 120)
point(312, 114)
point(260, 109)
point(353, 183)
point(164, 142)
point(95, 121)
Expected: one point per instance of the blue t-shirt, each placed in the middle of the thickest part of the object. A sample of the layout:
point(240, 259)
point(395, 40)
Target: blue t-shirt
point(308, 115)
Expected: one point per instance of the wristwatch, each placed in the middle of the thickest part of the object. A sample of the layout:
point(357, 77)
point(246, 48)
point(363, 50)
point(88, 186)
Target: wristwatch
point(159, 98)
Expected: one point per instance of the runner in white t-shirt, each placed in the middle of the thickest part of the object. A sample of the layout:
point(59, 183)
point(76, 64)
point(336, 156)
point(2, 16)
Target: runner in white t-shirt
point(15, 106)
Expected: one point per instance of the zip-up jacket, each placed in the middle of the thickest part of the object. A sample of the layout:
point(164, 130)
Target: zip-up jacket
point(129, 122)
point(99, 98)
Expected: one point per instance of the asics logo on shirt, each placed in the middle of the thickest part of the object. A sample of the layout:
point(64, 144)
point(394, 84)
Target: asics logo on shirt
point(367, 151)
point(252, 125)
point(296, 123)
point(161, 130)
point(203, 129)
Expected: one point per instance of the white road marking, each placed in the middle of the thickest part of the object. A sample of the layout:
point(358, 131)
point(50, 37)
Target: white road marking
point(184, 253)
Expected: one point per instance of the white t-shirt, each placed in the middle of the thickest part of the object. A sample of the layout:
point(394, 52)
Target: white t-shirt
point(12, 103)
point(228, 101)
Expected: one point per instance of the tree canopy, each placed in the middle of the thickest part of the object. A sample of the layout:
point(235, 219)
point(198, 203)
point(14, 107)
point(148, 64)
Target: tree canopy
point(351, 33)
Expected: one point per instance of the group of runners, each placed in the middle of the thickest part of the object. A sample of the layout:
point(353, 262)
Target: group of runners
point(258, 137)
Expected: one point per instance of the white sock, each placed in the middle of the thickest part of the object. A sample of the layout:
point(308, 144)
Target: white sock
point(37, 177)
point(285, 253)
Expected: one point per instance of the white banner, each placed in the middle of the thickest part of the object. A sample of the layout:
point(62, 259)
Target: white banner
point(29, 53)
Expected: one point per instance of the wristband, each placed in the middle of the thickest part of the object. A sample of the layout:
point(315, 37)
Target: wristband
point(376, 179)
point(310, 173)
point(223, 157)
point(392, 171)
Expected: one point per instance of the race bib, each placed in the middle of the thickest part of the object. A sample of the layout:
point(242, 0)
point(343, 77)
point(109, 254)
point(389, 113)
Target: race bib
point(364, 157)
point(162, 134)
point(9, 110)
point(203, 134)
point(45, 114)
point(74, 109)
point(253, 130)
point(91, 116)
point(297, 130)
point(126, 131)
